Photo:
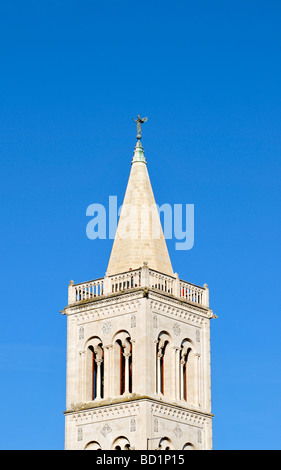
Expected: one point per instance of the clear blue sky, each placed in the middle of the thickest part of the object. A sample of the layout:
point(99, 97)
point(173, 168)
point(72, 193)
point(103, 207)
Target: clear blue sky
point(207, 73)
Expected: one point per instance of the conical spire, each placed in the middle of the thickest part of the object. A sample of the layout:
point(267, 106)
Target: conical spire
point(139, 237)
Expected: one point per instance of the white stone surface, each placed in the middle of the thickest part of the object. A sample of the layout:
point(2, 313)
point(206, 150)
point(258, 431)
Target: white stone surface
point(141, 318)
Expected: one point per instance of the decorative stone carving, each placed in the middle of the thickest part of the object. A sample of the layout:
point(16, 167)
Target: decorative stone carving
point(178, 432)
point(155, 425)
point(107, 328)
point(106, 430)
point(81, 332)
point(133, 321)
point(80, 434)
point(133, 425)
point(177, 329)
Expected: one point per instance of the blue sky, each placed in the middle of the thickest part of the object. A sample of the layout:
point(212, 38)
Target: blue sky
point(207, 74)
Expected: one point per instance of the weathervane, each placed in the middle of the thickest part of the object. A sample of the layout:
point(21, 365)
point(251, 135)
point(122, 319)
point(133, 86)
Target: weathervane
point(139, 121)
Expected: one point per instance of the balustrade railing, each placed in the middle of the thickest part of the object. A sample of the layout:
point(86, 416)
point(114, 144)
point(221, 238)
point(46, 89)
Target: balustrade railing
point(125, 281)
point(143, 277)
point(161, 281)
point(87, 290)
point(191, 292)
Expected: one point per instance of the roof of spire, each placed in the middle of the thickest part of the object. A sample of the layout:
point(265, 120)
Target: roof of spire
point(139, 237)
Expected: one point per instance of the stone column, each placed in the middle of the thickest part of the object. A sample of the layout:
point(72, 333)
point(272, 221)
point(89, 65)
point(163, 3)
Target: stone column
point(71, 293)
point(176, 388)
point(98, 390)
point(182, 363)
point(127, 371)
point(159, 355)
point(144, 275)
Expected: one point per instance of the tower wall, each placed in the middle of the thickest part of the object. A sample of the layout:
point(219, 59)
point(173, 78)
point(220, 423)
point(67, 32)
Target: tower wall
point(142, 320)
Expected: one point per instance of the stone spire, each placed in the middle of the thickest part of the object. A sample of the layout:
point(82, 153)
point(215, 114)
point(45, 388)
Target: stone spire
point(139, 237)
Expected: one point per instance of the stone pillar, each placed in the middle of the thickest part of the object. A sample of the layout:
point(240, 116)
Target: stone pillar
point(98, 390)
point(176, 373)
point(106, 285)
point(176, 291)
point(182, 362)
point(127, 371)
point(145, 275)
point(206, 295)
point(71, 292)
point(159, 355)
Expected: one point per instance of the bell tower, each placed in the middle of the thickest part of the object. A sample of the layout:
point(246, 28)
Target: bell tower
point(138, 342)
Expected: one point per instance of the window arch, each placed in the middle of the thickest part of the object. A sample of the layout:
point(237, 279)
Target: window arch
point(123, 363)
point(163, 364)
point(121, 443)
point(95, 369)
point(188, 372)
point(165, 444)
point(188, 446)
point(94, 445)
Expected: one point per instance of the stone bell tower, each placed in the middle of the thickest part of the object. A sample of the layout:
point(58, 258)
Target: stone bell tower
point(138, 342)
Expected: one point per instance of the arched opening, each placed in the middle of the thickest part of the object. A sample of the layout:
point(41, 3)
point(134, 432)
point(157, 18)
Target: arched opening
point(184, 375)
point(95, 369)
point(163, 365)
point(188, 373)
point(123, 364)
point(122, 367)
point(165, 444)
point(121, 443)
point(188, 446)
point(94, 445)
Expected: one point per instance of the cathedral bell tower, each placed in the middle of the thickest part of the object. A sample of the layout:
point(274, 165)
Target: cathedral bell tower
point(138, 342)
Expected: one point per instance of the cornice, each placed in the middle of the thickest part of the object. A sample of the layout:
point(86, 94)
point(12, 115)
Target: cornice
point(178, 310)
point(148, 292)
point(132, 406)
point(103, 303)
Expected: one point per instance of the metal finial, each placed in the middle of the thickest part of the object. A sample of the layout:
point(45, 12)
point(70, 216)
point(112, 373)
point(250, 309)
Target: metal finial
point(139, 121)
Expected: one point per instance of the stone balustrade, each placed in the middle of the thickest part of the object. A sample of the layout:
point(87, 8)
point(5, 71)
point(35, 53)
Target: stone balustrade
point(143, 277)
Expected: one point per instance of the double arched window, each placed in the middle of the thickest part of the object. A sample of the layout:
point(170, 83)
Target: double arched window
point(122, 363)
point(177, 369)
point(95, 369)
point(121, 443)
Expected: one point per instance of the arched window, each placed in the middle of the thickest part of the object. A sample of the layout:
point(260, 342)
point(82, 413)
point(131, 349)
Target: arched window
point(184, 366)
point(121, 443)
point(188, 373)
point(123, 364)
point(97, 372)
point(94, 445)
point(188, 446)
point(165, 444)
point(163, 365)
point(95, 369)
point(122, 367)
